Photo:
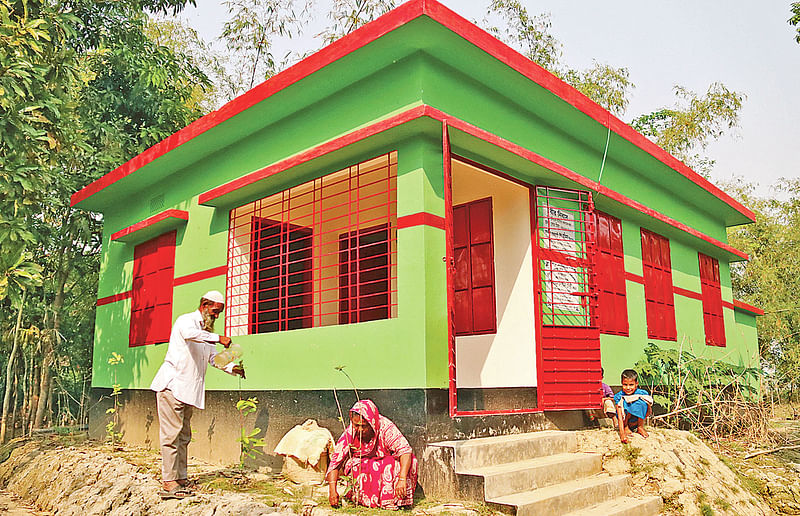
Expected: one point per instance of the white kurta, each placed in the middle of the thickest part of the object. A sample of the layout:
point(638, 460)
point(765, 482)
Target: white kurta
point(184, 369)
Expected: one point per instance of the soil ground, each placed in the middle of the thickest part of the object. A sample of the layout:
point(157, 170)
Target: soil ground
point(70, 475)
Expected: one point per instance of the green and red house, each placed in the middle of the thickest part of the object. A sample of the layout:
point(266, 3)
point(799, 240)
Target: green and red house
point(468, 235)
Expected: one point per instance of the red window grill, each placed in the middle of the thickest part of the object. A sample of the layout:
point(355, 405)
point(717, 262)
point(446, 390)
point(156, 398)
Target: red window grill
point(612, 309)
point(658, 296)
point(151, 299)
point(317, 254)
point(473, 250)
point(564, 225)
point(713, 321)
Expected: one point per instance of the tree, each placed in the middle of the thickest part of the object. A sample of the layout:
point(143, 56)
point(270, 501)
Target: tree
point(771, 278)
point(795, 19)
point(608, 86)
point(685, 130)
point(86, 86)
point(249, 34)
point(348, 15)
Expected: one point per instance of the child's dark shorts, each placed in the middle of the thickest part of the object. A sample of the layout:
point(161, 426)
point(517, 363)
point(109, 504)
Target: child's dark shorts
point(633, 423)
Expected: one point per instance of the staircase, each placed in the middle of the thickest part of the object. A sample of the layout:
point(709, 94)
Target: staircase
point(531, 474)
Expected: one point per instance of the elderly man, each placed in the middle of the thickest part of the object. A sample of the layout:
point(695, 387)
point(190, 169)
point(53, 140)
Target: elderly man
point(180, 387)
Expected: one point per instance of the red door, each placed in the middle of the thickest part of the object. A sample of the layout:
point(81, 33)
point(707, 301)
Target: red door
point(569, 344)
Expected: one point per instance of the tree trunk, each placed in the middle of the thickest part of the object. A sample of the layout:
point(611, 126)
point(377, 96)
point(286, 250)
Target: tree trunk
point(44, 387)
point(10, 370)
point(12, 425)
point(60, 279)
point(34, 394)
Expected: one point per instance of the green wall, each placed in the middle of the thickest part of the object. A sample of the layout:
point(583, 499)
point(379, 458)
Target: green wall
point(620, 353)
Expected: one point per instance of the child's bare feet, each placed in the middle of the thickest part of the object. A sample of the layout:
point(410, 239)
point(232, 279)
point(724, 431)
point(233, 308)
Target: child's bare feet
point(641, 431)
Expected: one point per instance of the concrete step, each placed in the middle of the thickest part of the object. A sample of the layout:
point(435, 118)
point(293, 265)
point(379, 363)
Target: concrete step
point(623, 506)
point(525, 475)
point(490, 451)
point(565, 497)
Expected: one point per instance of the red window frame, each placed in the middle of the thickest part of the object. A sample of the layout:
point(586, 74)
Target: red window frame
point(658, 294)
point(713, 321)
point(151, 296)
point(473, 251)
point(609, 268)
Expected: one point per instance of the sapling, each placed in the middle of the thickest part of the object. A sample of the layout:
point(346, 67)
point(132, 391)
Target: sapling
point(350, 483)
point(112, 435)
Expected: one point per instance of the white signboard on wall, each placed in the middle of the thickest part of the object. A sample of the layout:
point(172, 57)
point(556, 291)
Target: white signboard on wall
point(559, 235)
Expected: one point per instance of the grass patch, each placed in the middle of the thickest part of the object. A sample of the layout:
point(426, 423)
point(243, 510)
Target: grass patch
point(722, 504)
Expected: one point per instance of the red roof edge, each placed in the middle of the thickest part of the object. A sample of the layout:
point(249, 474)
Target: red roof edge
point(164, 215)
point(741, 305)
point(377, 28)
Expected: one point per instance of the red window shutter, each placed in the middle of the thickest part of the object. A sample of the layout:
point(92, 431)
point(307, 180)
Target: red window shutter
point(364, 275)
point(713, 321)
point(281, 276)
point(151, 300)
point(474, 275)
point(610, 269)
point(659, 301)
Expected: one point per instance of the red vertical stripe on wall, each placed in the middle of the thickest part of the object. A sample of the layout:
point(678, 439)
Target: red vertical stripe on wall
point(610, 273)
point(151, 298)
point(659, 300)
point(713, 321)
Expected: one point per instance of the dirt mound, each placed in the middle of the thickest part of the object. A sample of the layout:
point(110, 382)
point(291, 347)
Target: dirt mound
point(81, 481)
point(676, 465)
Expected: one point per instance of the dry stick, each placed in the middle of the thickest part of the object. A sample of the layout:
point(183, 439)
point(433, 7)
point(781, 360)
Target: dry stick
point(773, 450)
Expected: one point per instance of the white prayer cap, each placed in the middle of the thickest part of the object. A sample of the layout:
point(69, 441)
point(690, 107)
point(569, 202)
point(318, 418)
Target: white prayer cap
point(215, 296)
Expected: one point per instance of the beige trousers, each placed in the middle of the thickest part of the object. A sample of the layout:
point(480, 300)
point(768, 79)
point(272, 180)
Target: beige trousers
point(175, 432)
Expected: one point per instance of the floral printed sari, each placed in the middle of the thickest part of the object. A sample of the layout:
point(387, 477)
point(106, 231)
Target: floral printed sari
point(375, 465)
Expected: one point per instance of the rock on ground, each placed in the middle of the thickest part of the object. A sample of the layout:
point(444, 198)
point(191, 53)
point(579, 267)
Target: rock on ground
point(679, 467)
point(75, 481)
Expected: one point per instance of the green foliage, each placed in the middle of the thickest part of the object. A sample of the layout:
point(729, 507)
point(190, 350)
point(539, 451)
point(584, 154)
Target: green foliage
point(348, 15)
point(530, 34)
point(685, 129)
point(795, 19)
point(608, 86)
point(251, 445)
point(85, 85)
point(678, 377)
point(249, 34)
point(771, 278)
point(112, 435)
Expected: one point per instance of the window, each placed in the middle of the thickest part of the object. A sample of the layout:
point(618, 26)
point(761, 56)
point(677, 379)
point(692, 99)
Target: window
point(610, 273)
point(659, 302)
point(317, 254)
point(473, 250)
point(151, 300)
point(282, 277)
point(712, 301)
point(364, 275)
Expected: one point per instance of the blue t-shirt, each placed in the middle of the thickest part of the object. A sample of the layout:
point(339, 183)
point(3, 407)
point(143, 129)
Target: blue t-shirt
point(638, 408)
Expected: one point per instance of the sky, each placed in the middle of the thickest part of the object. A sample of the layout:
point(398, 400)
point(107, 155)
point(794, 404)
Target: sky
point(746, 45)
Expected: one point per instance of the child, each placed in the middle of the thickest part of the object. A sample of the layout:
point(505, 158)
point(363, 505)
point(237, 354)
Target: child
point(607, 408)
point(607, 403)
point(633, 405)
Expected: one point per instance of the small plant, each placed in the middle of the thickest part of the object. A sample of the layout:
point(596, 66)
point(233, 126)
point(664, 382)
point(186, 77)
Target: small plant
point(112, 435)
point(249, 442)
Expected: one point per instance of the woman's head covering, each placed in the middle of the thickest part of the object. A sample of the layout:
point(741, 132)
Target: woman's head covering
point(369, 411)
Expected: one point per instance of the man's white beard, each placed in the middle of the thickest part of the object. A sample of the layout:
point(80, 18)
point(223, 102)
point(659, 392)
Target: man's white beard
point(208, 320)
